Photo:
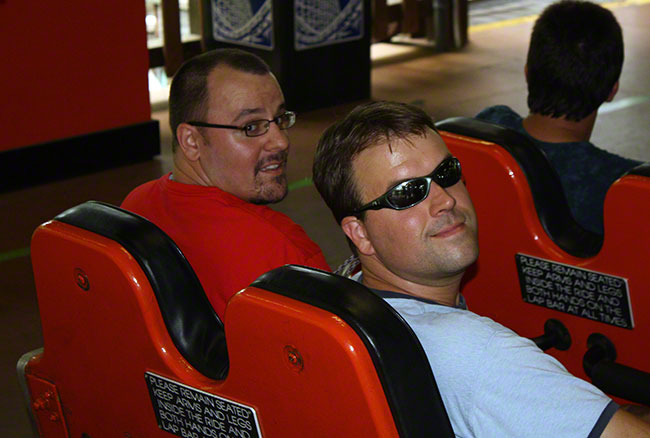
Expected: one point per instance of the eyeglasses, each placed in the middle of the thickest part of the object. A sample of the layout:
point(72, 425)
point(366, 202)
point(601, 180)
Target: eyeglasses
point(415, 190)
point(256, 127)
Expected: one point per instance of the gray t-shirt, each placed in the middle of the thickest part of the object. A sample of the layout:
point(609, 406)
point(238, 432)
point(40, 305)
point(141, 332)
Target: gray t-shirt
point(494, 383)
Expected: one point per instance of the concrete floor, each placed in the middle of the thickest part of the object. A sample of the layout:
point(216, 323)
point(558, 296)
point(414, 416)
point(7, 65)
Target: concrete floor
point(488, 71)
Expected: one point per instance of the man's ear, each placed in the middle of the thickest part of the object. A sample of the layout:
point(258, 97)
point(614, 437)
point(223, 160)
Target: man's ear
point(612, 93)
point(189, 138)
point(354, 228)
point(526, 72)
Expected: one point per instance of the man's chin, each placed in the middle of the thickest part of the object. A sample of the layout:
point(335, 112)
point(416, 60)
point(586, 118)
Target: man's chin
point(271, 193)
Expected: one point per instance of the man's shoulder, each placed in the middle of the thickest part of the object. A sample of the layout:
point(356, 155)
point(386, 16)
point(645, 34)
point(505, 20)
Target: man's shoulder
point(463, 324)
point(274, 223)
point(615, 162)
point(267, 232)
point(586, 161)
point(142, 194)
point(501, 115)
point(209, 217)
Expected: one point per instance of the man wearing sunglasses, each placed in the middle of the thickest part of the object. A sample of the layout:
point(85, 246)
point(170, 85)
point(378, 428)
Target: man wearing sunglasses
point(399, 197)
point(230, 146)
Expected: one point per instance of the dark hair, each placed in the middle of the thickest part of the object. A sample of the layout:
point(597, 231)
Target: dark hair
point(188, 94)
point(366, 125)
point(574, 59)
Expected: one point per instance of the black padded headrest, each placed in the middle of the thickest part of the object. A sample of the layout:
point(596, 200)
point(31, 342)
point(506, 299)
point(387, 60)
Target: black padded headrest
point(641, 170)
point(410, 387)
point(548, 195)
point(193, 325)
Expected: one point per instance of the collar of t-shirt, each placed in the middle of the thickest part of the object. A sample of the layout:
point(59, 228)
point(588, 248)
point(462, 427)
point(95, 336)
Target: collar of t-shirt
point(171, 184)
point(462, 304)
point(390, 294)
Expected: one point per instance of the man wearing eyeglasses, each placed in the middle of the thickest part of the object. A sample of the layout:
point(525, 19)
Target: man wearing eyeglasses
point(230, 147)
point(398, 195)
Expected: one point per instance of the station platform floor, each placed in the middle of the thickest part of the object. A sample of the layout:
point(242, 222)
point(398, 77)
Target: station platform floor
point(489, 70)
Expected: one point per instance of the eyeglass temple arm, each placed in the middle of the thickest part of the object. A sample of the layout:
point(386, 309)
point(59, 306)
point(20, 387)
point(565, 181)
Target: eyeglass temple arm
point(377, 204)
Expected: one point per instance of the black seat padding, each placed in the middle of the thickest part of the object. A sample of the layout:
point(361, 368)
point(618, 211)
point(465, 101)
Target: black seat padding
point(398, 356)
point(641, 170)
point(548, 195)
point(193, 325)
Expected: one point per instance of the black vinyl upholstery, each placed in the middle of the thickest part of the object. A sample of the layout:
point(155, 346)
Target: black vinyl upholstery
point(193, 325)
point(550, 202)
point(410, 386)
point(641, 170)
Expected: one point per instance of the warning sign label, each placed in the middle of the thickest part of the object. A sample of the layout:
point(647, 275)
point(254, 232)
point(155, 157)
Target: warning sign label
point(580, 292)
point(191, 413)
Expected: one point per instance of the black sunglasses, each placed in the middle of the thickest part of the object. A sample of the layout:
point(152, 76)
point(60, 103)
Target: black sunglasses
point(415, 190)
point(256, 127)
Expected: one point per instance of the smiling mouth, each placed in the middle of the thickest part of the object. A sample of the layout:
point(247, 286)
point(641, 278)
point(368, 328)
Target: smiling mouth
point(273, 164)
point(450, 230)
point(272, 167)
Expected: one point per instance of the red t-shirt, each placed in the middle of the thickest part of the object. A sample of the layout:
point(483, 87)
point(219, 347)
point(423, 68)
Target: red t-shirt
point(229, 242)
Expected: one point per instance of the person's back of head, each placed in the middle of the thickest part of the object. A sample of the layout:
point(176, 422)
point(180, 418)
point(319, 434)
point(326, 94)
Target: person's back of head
point(188, 94)
point(574, 59)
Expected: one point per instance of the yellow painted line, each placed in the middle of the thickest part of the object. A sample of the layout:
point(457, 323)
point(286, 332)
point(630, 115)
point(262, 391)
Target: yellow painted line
point(616, 4)
point(502, 24)
point(529, 18)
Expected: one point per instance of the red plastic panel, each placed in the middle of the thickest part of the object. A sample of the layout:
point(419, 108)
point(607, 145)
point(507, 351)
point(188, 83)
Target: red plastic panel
point(102, 331)
point(96, 58)
point(46, 408)
point(508, 225)
point(306, 369)
point(300, 369)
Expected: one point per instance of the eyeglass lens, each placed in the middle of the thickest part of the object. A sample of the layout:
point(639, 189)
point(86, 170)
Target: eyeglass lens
point(409, 192)
point(415, 190)
point(448, 173)
point(260, 127)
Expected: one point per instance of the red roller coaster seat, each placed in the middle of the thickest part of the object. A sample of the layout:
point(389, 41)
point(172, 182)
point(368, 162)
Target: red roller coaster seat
point(132, 347)
point(524, 219)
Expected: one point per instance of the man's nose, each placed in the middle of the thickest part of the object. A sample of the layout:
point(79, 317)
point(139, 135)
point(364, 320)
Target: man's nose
point(439, 200)
point(276, 139)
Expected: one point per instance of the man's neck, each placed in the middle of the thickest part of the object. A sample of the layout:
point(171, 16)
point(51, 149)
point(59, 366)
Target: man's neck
point(443, 291)
point(186, 174)
point(558, 129)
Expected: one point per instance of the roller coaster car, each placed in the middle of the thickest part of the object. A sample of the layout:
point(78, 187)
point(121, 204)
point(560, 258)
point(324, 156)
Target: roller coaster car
point(536, 263)
point(132, 347)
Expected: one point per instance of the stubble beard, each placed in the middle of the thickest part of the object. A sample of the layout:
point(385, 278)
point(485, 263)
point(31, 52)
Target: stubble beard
point(271, 191)
point(454, 256)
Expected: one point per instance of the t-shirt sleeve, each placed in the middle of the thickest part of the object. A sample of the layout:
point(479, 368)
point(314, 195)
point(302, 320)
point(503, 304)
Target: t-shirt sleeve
point(521, 391)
